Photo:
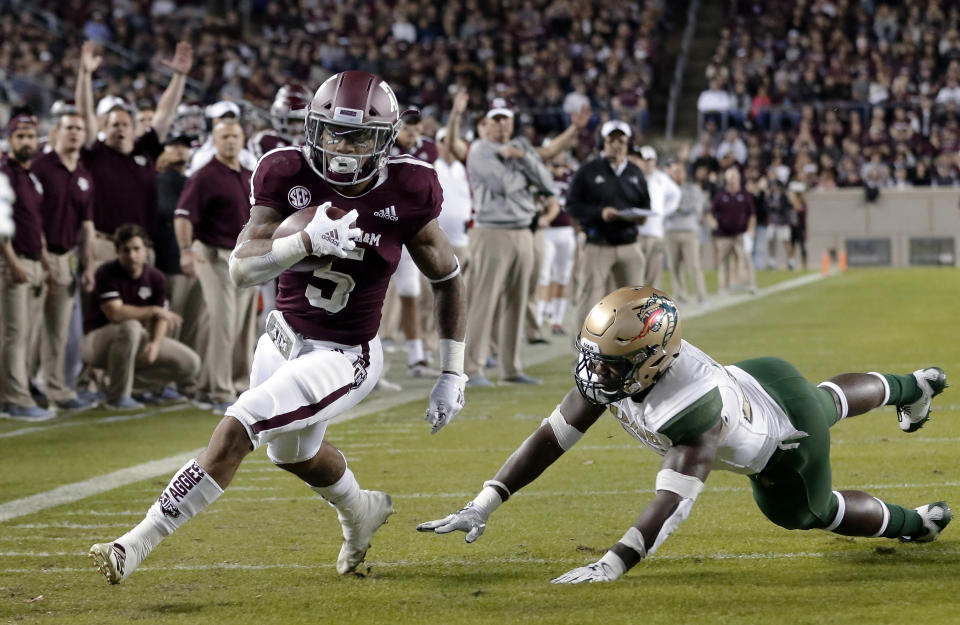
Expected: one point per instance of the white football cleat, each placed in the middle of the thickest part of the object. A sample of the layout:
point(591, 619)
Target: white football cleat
point(110, 559)
point(931, 382)
point(359, 522)
point(936, 516)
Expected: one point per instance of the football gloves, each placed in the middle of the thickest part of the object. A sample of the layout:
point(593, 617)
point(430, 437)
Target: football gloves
point(604, 570)
point(332, 237)
point(470, 519)
point(446, 400)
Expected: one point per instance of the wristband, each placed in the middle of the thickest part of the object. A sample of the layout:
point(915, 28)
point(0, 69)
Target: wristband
point(451, 356)
point(487, 501)
point(633, 539)
point(450, 276)
point(288, 250)
point(614, 564)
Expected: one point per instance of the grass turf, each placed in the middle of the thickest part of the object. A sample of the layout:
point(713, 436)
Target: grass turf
point(264, 552)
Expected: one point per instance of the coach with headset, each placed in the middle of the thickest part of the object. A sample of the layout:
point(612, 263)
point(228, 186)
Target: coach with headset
point(608, 197)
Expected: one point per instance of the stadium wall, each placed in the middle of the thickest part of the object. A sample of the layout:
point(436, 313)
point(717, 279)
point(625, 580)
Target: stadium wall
point(901, 228)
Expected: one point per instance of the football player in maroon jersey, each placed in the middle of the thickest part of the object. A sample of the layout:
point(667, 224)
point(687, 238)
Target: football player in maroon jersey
point(321, 354)
point(287, 113)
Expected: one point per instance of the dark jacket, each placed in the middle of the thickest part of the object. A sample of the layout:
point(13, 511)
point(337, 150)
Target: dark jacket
point(595, 186)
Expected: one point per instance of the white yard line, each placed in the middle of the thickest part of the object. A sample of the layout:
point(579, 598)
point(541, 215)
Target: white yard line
point(434, 562)
point(69, 493)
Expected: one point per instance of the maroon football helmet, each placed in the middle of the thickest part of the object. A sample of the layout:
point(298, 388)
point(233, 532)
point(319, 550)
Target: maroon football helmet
point(289, 110)
point(351, 125)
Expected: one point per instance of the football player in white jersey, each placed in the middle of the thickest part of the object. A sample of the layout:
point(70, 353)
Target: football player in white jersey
point(758, 417)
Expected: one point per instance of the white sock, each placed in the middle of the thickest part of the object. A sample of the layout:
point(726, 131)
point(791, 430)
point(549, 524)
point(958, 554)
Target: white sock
point(559, 309)
point(188, 492)
point(414, 351)
point(541, 311)
point(342, 492)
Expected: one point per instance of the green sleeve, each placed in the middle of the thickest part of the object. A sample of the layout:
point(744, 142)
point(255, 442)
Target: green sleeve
point(695, 419)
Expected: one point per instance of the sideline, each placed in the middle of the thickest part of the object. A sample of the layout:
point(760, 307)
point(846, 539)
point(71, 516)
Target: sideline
point(69, 493)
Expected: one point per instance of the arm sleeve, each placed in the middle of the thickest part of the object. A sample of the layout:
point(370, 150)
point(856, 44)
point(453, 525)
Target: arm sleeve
point(264, 185)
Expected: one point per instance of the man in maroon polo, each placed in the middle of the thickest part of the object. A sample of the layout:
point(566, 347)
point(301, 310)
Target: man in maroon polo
point(122, 165)
point(126, 327)
point(733, 215)
point(214, 207)
point(21, 297)
point(67, 213)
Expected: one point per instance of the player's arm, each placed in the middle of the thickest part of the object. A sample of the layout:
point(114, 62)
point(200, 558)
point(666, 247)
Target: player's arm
point(173, 94)
point(566, 139)
point(457, 145)
point(83, 93)
point(685, 468)
point(556, 434)
point(117, 312)
point(433, 255)
point(257, 257)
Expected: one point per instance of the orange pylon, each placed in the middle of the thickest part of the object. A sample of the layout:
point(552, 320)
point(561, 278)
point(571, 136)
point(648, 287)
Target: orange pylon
point(825, 263)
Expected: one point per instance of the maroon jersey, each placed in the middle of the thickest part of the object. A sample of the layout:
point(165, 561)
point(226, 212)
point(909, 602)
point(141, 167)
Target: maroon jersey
point(560, 185)
point(265, 141)
point(342, 301)
point(733, 212)
point(424, 149)
point(113, 282)
point(67, 200)
point(27, 238)
point(216, 200)
point(124, 185)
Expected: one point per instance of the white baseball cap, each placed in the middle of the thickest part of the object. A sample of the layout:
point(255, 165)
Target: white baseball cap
point(647, 153)
point(615, 125)
point(221, 108)
point(441, 134)
point(109, 102)
point(499, 106)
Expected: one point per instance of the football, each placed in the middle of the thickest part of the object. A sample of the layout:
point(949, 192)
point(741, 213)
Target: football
point(296, 223)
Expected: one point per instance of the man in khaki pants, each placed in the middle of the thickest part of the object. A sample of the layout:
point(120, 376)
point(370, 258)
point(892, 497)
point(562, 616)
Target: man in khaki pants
point(21, 298)
point(214, 206)
point(67, 212)
point(608, 196)
point(130, 297)
point(731, 215)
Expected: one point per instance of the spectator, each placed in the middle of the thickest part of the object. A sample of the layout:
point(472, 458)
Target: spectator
point(67, 212)
point(122, 167)
point(608, 197)
point(24, 279)
point(125, 330)
point(502, 172)
point(183, 291)
point(213, 209)
point(733, 215)
point(732, 144)
point(683, 230)
point(664, 201)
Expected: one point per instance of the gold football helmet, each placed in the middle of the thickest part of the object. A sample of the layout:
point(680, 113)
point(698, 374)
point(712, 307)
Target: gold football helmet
point(628, 341)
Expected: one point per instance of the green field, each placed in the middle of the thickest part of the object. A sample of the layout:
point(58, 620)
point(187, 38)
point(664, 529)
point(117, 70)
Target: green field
point(265, 552)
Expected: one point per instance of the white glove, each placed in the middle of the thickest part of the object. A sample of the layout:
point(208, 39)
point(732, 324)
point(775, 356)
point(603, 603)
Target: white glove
point(446, 400)
point(470, 519)
point(332, 237)
point(606, 569)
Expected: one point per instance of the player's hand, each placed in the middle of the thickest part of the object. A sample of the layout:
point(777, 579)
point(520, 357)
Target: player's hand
point(332, 237)
point(599, 571)
point(89, 59)
point(188, 262)
point(460, 101)
point(173, 319)
point(182, 59)
point(469, 519)
point(510, 151)
point(17, 274)
point(581, 118)
point(87, 280)
point(446, 400)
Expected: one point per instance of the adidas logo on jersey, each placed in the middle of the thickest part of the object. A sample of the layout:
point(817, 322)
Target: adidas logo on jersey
point(389, 212)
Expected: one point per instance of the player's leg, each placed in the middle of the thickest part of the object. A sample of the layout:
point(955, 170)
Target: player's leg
point(794, 489)
point(544, 301)
point(305, 453)
point(912, 394)
point(194, 487)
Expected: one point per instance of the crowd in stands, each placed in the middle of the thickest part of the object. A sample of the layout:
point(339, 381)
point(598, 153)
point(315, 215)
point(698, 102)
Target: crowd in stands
point(549, 57)
point(836, 93)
